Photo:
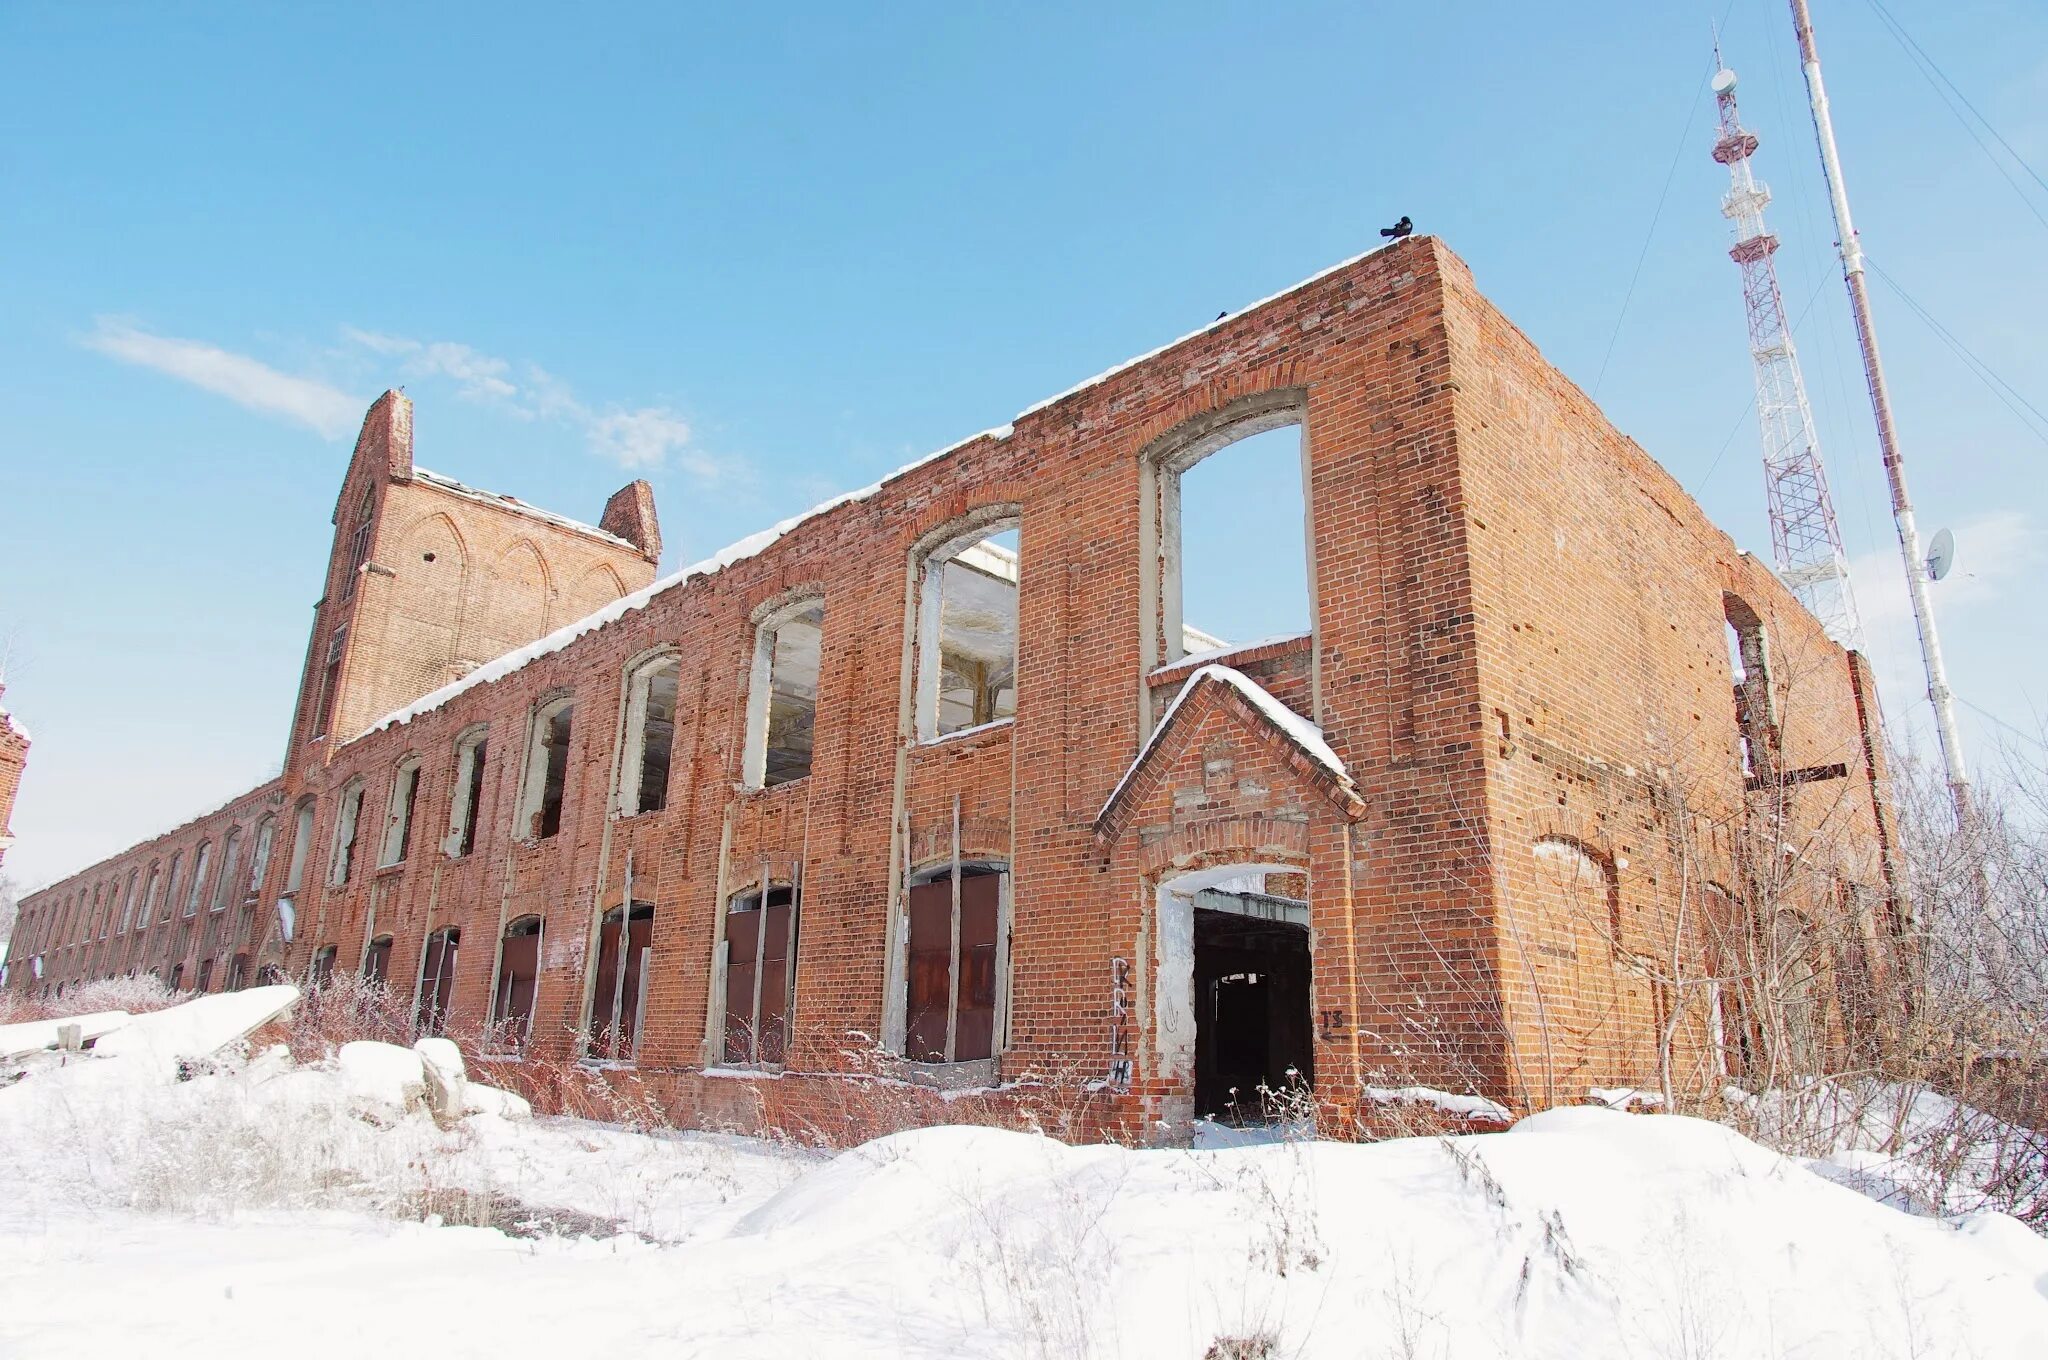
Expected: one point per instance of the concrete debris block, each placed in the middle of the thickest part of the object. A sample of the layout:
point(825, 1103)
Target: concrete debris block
point(441, 1062)
point(385, 1081)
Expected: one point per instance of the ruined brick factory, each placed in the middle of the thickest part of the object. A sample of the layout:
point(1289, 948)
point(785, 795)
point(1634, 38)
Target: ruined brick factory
point(935, 785)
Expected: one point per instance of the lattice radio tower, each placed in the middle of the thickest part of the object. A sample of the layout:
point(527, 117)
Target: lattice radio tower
point(1804, 537)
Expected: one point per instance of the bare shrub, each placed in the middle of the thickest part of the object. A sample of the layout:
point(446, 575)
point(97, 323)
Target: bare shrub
point(136, 995)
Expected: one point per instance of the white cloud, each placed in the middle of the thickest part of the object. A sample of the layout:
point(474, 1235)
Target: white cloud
point(245, 381)
point(640, 438)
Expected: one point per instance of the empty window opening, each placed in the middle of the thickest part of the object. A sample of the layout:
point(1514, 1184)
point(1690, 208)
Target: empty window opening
point(330, 677)
point(949, 1009)
point(238, 972)
point(171, 888)
point(1253, 1029)
point(350, 812)
point(377, 960)
point(547, 769)
point(760, 971)
point(230, 881)
point(967, 633)
point(405, 788)
point(782, 698)
point(322, 969)
point(197, 889)
point(650, 736)
point(437, 978)
point(1234, 539)
point(518, 979)
point(618, 997)
point(177, 977)
point(465, 808)
point(205, 982)
point(302, 846)
point(128, 902)
point(1749, 662)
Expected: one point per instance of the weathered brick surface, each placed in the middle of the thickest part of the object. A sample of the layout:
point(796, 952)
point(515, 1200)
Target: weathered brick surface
point(13, 759)
point(1518, 640)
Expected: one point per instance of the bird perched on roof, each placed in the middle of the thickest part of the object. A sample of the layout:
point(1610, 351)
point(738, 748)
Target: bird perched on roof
point(1398, 230)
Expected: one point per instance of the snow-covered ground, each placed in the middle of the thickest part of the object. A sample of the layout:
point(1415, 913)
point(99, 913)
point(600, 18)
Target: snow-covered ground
point(261, 1207)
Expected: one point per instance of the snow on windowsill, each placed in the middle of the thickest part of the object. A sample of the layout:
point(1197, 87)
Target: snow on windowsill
point(1467, 1106)
point(974, 731)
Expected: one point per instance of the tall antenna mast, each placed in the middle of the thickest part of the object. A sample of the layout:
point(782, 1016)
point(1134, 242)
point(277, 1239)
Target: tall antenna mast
point(1804, 537)
point(1938, 692)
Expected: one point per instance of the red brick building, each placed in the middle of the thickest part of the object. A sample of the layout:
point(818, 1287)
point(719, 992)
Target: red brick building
point(936, 780)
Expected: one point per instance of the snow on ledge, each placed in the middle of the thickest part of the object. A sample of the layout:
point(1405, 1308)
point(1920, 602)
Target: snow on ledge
point(1298, 729)
point(751, 546)
point(1469, 1107)
point(755, 544)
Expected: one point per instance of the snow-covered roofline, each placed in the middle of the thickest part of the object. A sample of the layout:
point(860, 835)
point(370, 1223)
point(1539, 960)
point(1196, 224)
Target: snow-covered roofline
point(1296, 728)
point(446, 483)
point(755, 544)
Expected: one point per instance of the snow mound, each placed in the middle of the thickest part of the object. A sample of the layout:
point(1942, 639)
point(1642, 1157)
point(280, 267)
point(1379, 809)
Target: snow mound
point(384, 1079)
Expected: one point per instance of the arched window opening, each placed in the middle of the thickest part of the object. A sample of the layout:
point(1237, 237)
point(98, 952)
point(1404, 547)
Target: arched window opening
point(1235, 557)
point(405, 789)
point(177, 983)
point(618, 1000)
point(259, 856)
point(302, 846)
point(518, 979)
point(1749, 661)
point(343, 861)
point(950, 1002)
point(321, 970)
point(330, 676)
point(967, 632)
point(547, 769)
point(230, 868)
point(650, 736)
point(359, 543)
point(377, 960)
point(197, 890)
point(465, 807)
point(782, 695)
point(761, 927)
point(437, 978)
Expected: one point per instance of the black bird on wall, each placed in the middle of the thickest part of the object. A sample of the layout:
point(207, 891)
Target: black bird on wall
point(1398, 230)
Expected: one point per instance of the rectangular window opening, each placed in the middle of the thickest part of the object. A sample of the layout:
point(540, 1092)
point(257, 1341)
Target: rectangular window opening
point(1237, 536)
point(787, 667)
point(968, 614)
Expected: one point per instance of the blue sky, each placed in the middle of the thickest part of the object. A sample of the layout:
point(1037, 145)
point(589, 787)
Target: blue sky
point(761, 256)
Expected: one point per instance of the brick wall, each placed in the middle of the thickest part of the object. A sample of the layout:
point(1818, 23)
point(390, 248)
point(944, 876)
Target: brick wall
point(1518, 639)
point(13, 760)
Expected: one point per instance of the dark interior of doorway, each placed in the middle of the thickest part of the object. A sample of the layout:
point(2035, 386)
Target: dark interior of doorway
point(1252, 1021)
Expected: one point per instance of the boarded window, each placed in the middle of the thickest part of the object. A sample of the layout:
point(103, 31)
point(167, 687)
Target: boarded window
point(950, 1005)
point(618, 997)
point(322, 967)
point(760, 973)
point(437, 978)
point(967, 633)
point(547, 769)
point(405, 788)
point(205, 982)
point(377, 960)
point(518, 978)
point(465, 807)
point(782, 701)
point(650, 737)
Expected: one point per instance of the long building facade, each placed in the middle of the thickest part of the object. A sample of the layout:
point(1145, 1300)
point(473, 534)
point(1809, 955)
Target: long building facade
point(934, 787)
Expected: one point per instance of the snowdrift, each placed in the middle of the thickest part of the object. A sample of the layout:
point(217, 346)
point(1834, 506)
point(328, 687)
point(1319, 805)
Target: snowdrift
point(259, 1199)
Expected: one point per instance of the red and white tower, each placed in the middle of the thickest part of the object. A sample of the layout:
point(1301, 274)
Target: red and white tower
point(1804, 537)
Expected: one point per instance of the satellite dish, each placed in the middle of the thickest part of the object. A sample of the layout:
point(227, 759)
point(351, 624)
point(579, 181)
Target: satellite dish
point(1941, 555)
